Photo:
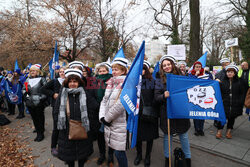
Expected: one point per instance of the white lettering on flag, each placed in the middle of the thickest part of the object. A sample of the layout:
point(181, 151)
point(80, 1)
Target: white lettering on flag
point(129, 102)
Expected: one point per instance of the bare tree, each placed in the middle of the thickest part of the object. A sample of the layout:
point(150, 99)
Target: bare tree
point(240, 9)
point(174, 9)
point(76, 23)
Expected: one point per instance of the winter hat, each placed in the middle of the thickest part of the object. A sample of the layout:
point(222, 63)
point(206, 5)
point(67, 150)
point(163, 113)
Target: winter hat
point(182, 62)
point(232, 66)
point(168, 57)
point(105, 64)
point(18, 70)
point(57, 67)
point(145, 62)
point(76, 64)
point(36, 66)
point(121, 61)
point(224, 60)
point(9, 72)
point(72, 71)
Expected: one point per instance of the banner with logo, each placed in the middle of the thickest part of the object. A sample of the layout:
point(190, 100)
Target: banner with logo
point(194, 98)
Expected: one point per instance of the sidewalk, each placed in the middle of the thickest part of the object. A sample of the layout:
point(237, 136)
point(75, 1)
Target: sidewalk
point(236, 149)
point(207, 151)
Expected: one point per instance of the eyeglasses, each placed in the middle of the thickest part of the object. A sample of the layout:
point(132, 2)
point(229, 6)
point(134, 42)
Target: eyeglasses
point(84, 71)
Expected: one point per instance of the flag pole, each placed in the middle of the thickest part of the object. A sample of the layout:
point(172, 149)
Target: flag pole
point(169, 148)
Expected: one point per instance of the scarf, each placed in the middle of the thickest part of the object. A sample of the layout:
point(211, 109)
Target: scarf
point(83, 108)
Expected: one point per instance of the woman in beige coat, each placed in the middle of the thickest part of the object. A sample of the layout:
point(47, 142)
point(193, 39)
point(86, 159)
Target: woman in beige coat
point(113, 114)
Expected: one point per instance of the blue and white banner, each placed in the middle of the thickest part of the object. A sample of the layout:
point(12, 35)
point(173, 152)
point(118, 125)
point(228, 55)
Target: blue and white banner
point(14, 96)
point(54, 62)
point(130, 94)
point(194, 98)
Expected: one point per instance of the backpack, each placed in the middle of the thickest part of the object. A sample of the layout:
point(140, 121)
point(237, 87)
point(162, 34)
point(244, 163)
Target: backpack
point(179, 158)
point(4, 120)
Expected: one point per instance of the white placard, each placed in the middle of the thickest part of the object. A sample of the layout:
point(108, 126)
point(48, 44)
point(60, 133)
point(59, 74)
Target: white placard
point(231, 42)
point(178, 51)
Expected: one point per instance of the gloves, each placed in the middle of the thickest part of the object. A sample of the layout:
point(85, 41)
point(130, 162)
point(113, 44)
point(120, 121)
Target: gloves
point(105, 122)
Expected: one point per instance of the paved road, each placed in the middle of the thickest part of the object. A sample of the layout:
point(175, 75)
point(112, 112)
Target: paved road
point(41, 150)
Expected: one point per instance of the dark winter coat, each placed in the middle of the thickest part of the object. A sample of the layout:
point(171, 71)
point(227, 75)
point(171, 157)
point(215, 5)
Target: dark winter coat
point(233, 105)
point(51, 88)
point(177, 126)
point(72, 150)
point(220, 75)
point(147, 129)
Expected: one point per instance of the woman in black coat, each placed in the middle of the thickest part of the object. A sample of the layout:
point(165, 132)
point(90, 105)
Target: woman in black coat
point(81, 106)
point(177, 126)
point(232, 91)
point(148, 123)
point(52, 89)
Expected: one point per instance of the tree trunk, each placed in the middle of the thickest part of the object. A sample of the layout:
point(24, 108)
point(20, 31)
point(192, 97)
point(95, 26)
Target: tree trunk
point(246, 37)
point(195, 50)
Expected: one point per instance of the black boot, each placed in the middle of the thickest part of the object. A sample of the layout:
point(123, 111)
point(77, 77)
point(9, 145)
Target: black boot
point(166, 162)
point(188, 161)
point(147, 161)
point(110, 160)
point(101, 159)
point(40, 136)
point(138, 159)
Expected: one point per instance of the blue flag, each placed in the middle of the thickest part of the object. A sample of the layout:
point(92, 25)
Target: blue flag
point(13, 93)
point(156, 69)
point(54, 62)
point(16, 65)
point(130, 94)
point(194, 98)
point(202, 60)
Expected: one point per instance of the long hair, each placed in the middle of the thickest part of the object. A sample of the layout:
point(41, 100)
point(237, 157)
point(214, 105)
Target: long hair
point(147, 74)
point(175, 71)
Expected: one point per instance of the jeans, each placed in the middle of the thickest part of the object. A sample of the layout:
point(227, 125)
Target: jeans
point(184, 144)
point(121, 158)
point(198, 124)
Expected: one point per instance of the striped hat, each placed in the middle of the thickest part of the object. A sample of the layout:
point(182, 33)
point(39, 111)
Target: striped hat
point(37, 66)
point(224, 60)
point(76, 64)
point(232, 66)
point(106, 64)
point(72, 71)
point(121, 61)
point(168, 57)
point(146, 63)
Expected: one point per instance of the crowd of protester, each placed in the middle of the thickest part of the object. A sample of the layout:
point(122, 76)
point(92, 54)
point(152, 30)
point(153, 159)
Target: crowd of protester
point(92, 98)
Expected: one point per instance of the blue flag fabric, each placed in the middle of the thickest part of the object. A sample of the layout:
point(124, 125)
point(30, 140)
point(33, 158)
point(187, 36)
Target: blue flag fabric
point(12, 93)
point(202, 59)
point(54, 62)
point(194, 98)
point(16, 65)
point(156, 69)
point(130, 94)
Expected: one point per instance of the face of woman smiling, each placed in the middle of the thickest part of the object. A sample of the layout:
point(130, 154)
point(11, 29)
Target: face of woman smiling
point(73, 83)
point(167, 66)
